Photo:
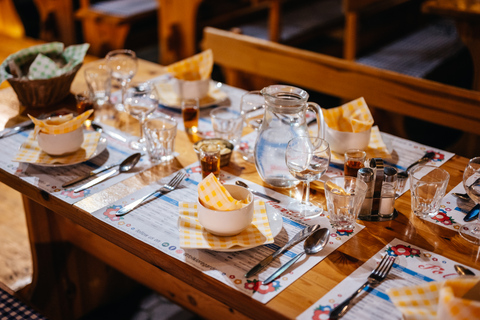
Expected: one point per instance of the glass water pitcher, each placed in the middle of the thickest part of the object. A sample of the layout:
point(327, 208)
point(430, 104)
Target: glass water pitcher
point(285, 117)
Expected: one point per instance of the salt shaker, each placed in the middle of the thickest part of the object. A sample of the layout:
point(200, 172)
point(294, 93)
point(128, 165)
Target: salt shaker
point(387, 195)
point(367, 175)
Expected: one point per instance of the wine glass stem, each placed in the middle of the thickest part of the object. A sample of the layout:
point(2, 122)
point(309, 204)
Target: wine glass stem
point(306, 192)
point(124, 90)
point(142, 121)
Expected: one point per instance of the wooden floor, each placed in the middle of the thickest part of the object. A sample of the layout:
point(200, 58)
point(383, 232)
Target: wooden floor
point(15, 257)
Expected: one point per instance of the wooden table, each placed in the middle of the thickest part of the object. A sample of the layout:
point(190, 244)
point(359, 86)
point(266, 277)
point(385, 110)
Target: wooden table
point(467, 18)
point(68, 282)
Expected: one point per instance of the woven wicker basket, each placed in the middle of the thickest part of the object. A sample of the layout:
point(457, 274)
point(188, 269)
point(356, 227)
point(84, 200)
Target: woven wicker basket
point(44, 92)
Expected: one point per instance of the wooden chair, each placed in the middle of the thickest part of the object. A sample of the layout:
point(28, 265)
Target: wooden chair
point(10, 23)
point(56, 20)
point(419, 98)
point(106, 25)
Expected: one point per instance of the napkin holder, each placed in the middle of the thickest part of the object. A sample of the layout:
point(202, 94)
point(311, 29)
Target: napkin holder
point(380, 198)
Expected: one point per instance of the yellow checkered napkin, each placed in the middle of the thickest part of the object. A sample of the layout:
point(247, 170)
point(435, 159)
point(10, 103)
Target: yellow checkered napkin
point(437, 300)
point(196, 67)
point(376, 147)
point(214, 196)
point(192, 235)
point(61, 124)
point(353, 116)
point(30, 152)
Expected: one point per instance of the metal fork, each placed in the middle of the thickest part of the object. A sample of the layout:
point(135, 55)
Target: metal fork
point(170, 186)
point(377, 276)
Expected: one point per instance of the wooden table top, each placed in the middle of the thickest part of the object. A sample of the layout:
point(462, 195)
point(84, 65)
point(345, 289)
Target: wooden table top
point(294, 299)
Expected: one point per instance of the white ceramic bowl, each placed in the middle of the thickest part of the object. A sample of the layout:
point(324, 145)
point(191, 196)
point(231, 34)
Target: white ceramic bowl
point(196, 89)
point(227, 223)
point(341, 141)
point(61, 144)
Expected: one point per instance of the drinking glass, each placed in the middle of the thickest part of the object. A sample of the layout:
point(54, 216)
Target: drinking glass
point(190, 115)
point(98, 78)
point(160, 131)
point(141, 99)
point(227, 124)
point(307, 159)
point(252, 110)
point(123, 65)
point(471, 182)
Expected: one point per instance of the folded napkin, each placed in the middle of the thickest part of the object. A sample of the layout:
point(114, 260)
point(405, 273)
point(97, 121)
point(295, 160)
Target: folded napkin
point(30, 152)
point(437, 300)
point(192, 234)
point(196, 67)
point(213, 195)
point(43, 67)
point(353, 116)
point(60, 124)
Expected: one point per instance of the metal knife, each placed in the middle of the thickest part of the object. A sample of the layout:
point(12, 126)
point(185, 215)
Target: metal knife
point(263, 195)
point(90, 174)
point(302, 235)
point(472, 214)
point(25, 126)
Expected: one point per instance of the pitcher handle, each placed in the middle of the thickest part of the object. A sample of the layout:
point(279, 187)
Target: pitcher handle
point(320, 120)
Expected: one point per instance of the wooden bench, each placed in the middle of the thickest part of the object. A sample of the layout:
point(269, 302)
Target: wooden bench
point(407, 41)
point(418, 98)
point(293, 22)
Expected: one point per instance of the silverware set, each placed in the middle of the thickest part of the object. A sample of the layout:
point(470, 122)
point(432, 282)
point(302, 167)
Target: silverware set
point(377, 276)
point(170, 186)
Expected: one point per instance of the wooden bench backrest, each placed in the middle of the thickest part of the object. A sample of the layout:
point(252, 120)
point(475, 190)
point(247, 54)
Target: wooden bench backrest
point(419, 98)
point(353, 9)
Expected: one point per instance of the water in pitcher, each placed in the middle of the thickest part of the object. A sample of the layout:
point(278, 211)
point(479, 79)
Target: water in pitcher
point(284, 119)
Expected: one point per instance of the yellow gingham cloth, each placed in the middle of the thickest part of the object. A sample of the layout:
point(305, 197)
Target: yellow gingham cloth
point(213, 195)
point(376, 147)
point(437, 300)
point(192, 234)
point(30, 152)
point(69, 125)
point(353, 116)
point(196, 67)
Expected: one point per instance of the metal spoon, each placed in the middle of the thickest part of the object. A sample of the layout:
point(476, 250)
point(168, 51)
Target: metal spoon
point(427, 157)
point(463, 271)
point(126, 165)
point(314, 244)
point(463, 196)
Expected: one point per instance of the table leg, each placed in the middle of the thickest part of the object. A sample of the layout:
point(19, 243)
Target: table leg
point(66, 282)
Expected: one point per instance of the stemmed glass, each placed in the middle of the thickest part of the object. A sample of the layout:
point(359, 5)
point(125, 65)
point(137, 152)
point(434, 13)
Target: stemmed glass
point(252, 109)
point(141, 99)
point(471, 182)
point(307, 159)
point(123, 64)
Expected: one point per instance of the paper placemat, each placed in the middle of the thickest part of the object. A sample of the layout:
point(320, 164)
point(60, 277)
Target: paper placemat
point(192, 234)
point(413, 266)
point(30, 152)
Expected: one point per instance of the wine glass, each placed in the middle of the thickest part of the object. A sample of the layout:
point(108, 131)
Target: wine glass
point(307, 159)
point(251, 109)
point(141, 99)
point(123, 65)
point(471, 182)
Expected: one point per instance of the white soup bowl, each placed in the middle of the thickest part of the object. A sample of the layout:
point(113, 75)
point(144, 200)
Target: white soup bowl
point(227, 223)
point(61, 144)
point(341, 141)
